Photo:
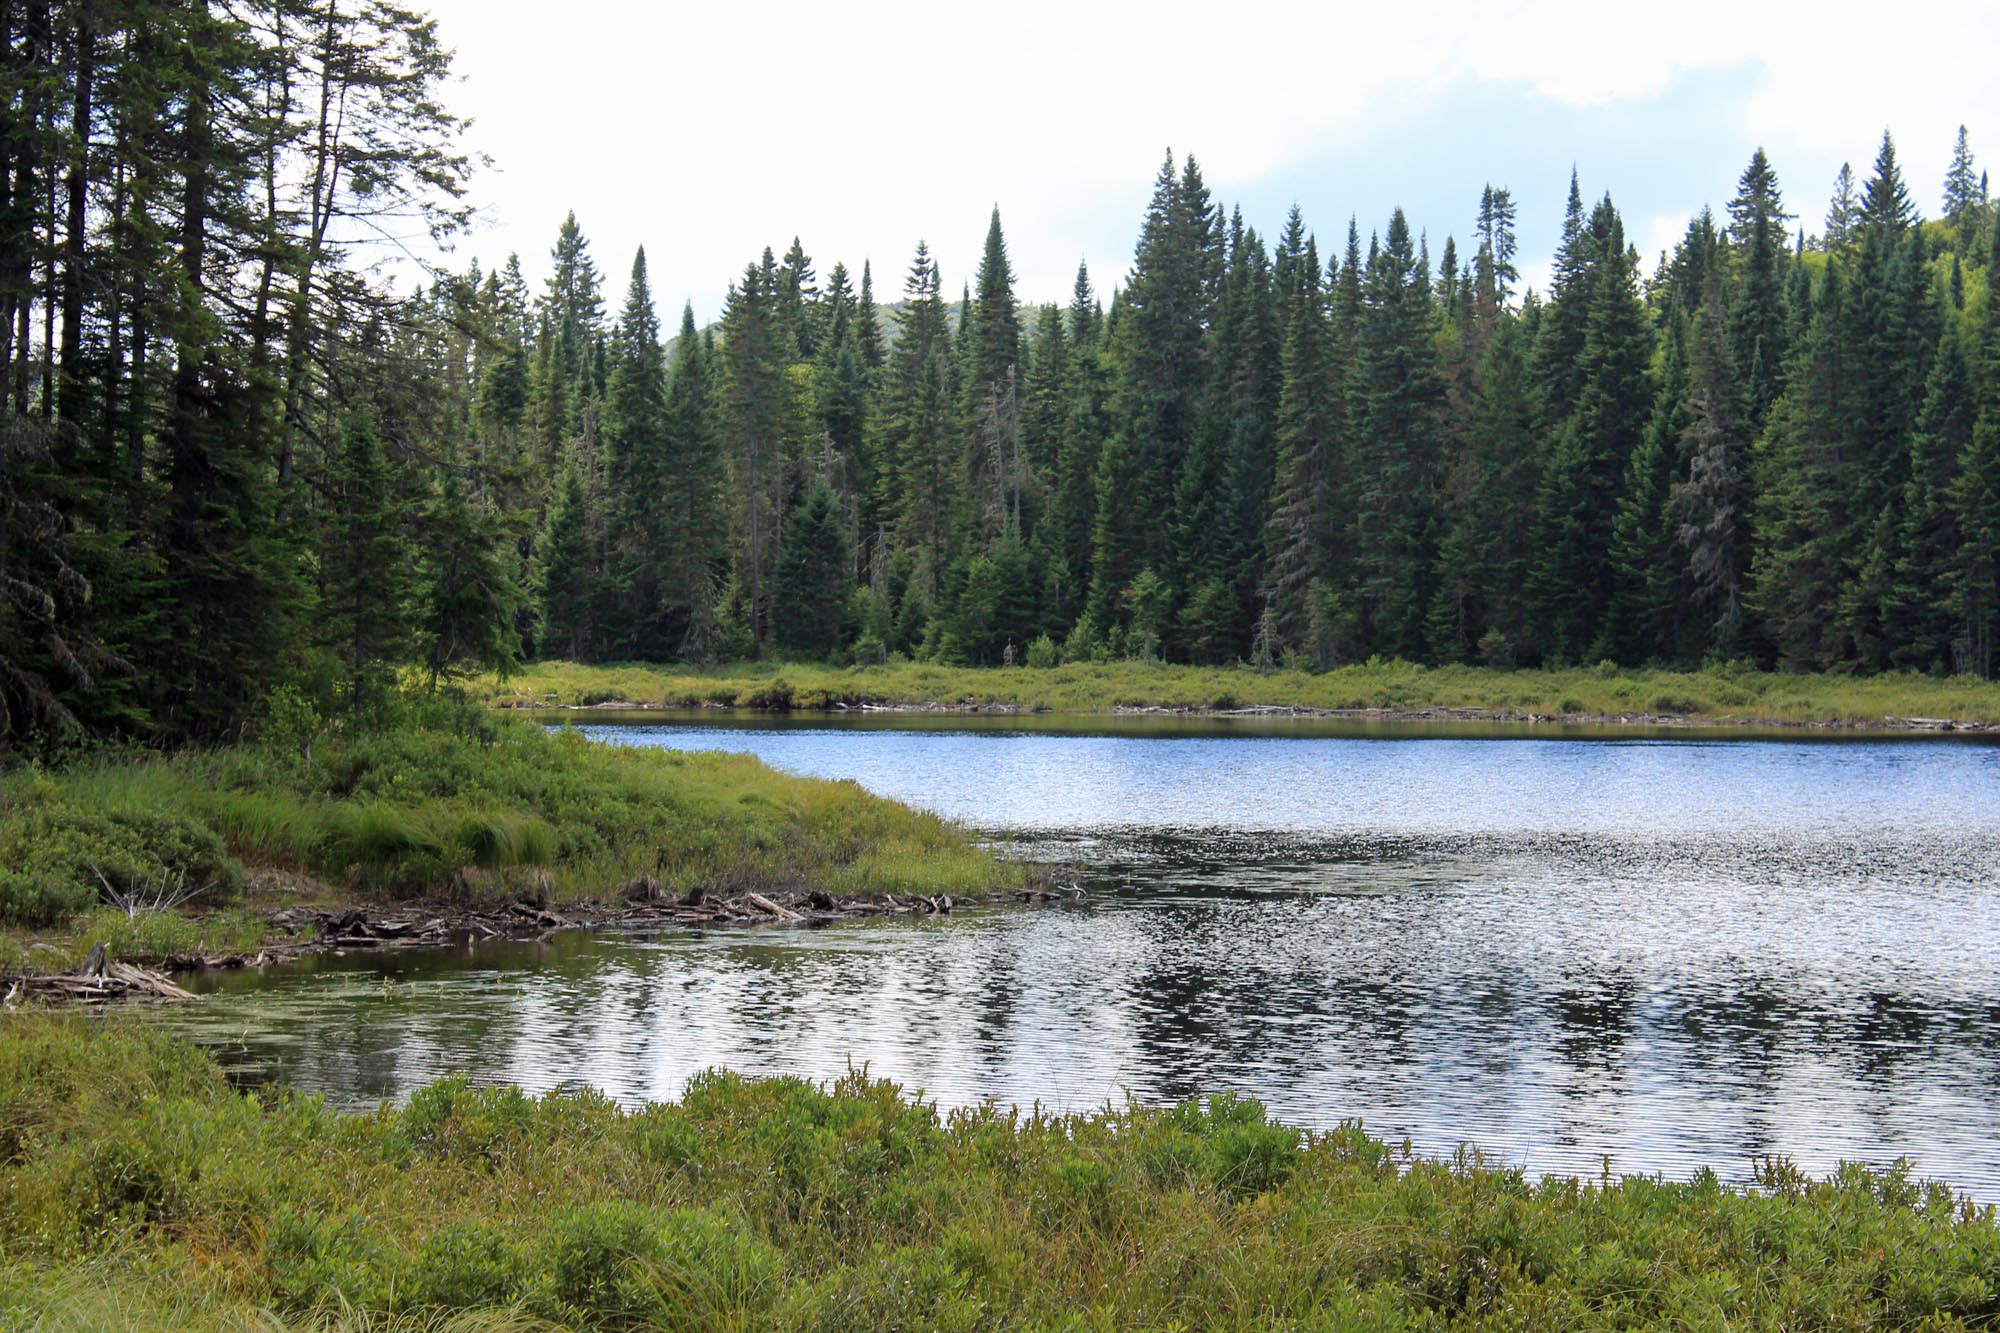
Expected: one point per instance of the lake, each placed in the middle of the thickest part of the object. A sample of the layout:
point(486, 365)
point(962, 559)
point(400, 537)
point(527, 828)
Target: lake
point(1663, 949)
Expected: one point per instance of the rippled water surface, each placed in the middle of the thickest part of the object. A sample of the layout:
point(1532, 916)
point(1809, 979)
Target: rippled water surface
point(1670, 952)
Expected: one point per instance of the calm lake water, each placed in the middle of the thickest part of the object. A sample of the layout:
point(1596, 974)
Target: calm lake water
point(1668, 951)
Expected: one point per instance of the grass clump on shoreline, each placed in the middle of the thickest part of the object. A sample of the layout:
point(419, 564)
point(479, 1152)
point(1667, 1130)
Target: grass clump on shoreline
point(446, 803)
point(137, 1189)
point(1721, 695)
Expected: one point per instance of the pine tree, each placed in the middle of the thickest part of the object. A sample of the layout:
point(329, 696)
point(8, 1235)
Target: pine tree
point(692, 499)
point(467, 595)
point(1393, 485)
point(1758, 320)
point(636, 473)
point(1800, 535)
point(1975, 504)
point(365, 569)
point(993, 393)
point(1299, 572)
point(564, 587)
point(1572, 581)
point(1964, 195)
point(755, 400)
point(1709, 503)
point(1843, 211)
point(921, 465)
point(813, 581)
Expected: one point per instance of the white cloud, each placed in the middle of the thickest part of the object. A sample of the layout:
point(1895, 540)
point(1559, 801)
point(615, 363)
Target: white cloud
point(704, 131)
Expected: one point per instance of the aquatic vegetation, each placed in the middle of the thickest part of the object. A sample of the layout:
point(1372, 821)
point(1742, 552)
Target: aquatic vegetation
point(1720, 694)
point(137, 1186)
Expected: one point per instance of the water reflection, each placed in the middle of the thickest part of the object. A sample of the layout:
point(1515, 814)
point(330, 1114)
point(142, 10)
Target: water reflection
point(1668, 954)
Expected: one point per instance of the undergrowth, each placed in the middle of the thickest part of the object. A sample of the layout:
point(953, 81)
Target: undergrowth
point(137, 1187)
point(449, 803)
point(1720, 694)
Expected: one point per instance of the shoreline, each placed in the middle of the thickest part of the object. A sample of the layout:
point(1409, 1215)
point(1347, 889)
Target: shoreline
point(317, 929)
point(1470, 715)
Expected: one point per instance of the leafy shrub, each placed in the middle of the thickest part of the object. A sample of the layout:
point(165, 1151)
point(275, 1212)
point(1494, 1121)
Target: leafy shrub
point(467, 1265)
point(56, 858)
point(1043, 654)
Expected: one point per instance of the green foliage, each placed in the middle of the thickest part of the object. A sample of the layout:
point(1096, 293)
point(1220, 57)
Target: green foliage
point(59, 855)
point(128, 1168)
point(1083, 684)
point(452, 803)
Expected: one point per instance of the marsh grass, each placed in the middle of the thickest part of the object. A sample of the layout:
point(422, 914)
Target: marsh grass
point(478, 809)
point(137, 1188)
point(1724, 694)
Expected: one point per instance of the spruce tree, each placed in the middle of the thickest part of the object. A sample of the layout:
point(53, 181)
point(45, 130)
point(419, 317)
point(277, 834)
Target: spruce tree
point(565, 589)
point(1393, 483)
point(1964, 195)
point(365, 572)
point(1975, 504)
point(636, 473)
point(1709, 502)
point(813, 581)
point(1572, 581)
point(1758, 320)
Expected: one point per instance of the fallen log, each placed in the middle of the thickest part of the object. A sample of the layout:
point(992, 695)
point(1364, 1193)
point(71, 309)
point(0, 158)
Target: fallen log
point(769, 908)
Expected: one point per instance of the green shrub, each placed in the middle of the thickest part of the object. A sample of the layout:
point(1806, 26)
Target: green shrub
point(57, 858)
point(1043, 654)
point(467, 1265)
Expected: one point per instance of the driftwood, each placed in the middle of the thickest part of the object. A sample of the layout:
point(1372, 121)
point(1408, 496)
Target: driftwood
point(98, 979)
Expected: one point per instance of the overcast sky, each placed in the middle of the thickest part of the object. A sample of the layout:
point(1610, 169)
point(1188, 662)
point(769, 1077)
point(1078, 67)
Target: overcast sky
point(705, 132)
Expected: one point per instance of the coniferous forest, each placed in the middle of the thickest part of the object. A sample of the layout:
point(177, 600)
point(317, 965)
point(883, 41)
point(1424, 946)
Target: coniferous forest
point(238, 456)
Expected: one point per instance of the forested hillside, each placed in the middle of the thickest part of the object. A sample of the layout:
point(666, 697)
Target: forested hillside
point(238, 458)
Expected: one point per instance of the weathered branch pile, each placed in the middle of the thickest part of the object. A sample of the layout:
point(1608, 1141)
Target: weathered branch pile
point(98, 979)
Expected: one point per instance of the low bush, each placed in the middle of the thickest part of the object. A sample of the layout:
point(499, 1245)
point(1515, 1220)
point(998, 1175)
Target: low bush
point(138, 1190)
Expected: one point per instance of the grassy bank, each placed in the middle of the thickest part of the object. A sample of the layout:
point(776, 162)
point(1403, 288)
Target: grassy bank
point(1718, 696)
point(137, 1190)
point(175, 854)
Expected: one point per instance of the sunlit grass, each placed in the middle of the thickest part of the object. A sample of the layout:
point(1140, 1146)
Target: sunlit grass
point(424, 811)
point(138, 1190)
point(1717, 695)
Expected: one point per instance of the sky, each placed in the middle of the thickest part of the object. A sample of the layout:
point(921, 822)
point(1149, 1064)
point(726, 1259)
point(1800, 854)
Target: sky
point(706, 132)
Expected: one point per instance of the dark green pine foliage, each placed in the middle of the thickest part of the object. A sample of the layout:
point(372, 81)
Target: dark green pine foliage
point(1916, 616)
point(1842, 210)
point(636, 475)
point(1964, 196)
point(1073, 507)
point(365, 569)
point(799, 308)
point(1162, 356)
point(565, 586)
point(574, 303)
point(1219, 535)
point(1709, 501)
point(1758, 321)
point(1573, 578)
point(1392, 487)
point(1300, 537)
point(468, 596)
point(692, 502)
point(922, 469)
point(1481, 610)
point(868, 321)
point(994, 471)
point(814, 579)
point(1649, 603)
point(1891, 332)
point(1975, 502)
point(755, 405)
point(1803, 516)
point(1559, 343)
